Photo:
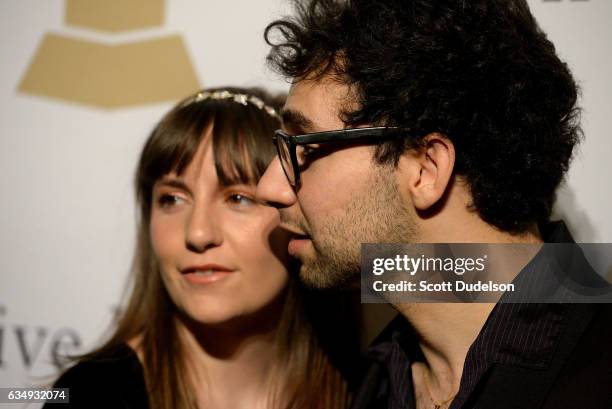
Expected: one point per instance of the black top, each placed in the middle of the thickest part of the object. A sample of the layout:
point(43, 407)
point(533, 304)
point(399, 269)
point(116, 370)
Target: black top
point(112, 380)
point(526, 356)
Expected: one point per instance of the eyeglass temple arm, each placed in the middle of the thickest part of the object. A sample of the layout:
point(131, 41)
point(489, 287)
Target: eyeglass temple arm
point(343, 135)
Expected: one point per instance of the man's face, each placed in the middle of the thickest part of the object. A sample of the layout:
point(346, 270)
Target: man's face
point(344, 199)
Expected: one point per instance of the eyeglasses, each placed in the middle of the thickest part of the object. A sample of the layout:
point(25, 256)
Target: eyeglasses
point(293, 160)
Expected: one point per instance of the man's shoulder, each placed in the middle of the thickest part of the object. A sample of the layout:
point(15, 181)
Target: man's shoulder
point(585, 379)
point(596, 339)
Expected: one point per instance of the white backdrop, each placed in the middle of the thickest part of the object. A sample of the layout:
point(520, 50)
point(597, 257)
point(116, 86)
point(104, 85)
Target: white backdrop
point(67, 213)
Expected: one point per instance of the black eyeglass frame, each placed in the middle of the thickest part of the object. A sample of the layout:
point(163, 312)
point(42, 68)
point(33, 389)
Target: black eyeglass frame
point(375, 134)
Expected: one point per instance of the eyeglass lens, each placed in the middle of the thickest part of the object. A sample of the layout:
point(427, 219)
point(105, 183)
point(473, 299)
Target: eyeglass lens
point(285, 158)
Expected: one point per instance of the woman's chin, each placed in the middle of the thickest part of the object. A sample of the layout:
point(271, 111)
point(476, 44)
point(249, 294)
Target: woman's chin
point(211, 314)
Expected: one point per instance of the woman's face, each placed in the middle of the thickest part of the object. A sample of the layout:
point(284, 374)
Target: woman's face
point(222, 255)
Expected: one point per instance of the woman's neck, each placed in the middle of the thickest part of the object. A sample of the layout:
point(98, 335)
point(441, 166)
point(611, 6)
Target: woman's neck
point(229, 364)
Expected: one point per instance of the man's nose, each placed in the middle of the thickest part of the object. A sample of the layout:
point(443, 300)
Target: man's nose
point(273, 188)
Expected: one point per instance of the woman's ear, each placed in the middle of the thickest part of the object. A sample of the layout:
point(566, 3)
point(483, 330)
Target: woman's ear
point(426, 171)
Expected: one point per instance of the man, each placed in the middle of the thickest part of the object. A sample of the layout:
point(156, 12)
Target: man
point(461, 124)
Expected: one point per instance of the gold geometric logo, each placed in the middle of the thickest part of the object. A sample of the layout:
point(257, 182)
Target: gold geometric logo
point(115, 15)
point(111, 76)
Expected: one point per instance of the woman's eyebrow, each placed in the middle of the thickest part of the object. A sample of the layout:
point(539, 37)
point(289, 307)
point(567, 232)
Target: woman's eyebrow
point(172, 182)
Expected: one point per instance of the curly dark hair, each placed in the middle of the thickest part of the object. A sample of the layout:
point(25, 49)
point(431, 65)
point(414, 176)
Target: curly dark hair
point(480, 72)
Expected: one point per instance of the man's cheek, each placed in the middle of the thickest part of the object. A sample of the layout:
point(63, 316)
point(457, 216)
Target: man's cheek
point(330, 200)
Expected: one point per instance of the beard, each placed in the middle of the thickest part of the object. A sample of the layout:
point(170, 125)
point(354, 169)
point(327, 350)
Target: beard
point(376, 214)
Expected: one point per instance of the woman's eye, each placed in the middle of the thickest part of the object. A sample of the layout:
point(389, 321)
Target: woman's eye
point(239, 199)
point(168, 200)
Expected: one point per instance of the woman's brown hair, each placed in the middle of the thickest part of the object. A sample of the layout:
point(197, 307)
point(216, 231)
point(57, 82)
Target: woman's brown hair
point(312, 348)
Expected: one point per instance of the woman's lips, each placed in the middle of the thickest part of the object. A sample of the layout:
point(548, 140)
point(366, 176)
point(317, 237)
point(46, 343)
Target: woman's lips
point(206, 274)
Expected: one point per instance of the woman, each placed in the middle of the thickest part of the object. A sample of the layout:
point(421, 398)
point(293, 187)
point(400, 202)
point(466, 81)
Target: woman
point(215, 318)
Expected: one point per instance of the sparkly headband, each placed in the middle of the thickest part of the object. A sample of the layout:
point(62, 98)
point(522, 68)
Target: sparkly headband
point(243, 99)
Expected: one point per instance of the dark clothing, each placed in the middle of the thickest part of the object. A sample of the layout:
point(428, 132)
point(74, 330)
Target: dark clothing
point(549, 356)
point(112, 380)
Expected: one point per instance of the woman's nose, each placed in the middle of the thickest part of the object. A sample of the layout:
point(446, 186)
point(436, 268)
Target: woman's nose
point(202, 230)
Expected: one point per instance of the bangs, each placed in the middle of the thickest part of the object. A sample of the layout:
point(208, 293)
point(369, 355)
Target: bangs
point(241, 140)
point(242, 147)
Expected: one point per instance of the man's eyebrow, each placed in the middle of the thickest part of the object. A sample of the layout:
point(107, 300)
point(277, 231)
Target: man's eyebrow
point(296, 121)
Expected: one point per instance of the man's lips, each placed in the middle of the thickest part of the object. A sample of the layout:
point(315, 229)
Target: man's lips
point(298, 239)
point(206, 273)
point(296, 244)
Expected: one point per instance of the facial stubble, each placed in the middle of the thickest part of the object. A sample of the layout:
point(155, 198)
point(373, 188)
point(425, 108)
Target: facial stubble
point(375, 214)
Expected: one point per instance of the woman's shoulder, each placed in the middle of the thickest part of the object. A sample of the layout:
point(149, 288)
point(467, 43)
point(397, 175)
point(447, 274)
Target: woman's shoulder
point(111, 377)
point(113, 365)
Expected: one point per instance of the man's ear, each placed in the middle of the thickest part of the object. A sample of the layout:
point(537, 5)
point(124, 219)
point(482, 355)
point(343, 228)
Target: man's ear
point(427, 170)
